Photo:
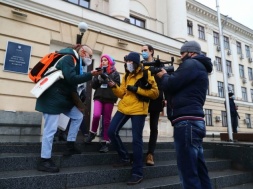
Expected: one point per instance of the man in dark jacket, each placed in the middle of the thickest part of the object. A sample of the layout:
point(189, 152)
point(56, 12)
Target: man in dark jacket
point(155, 108)
point(233, 112)
point(185, 92)
point(59, 98)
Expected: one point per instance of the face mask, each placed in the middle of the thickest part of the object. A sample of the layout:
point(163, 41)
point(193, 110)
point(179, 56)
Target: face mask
point(87, 61)
point(233, 97)
point(145, 55)
point(185, 57)
point(130, 67)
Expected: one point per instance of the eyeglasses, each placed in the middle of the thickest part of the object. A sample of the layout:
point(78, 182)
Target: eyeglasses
point(86, 53)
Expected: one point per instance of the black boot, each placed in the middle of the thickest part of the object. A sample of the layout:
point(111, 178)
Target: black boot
point(71, 149)
point(90, 137)
point(105, 147)
point(47, 165)
point(62, 135)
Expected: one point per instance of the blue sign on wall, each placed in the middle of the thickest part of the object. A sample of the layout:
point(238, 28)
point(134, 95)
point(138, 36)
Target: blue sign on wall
point(17, 58)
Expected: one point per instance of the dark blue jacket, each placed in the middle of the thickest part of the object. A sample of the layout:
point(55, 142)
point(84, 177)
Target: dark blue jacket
point(185, 89)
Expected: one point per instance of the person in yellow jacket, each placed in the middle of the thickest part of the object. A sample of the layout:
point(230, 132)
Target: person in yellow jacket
point(137, 87)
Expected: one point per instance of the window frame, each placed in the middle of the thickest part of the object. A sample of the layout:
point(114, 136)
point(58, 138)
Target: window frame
point(79, 3)
point(221, 89)
point(241, 71)
point(226, 42)
point(189, 27)
point(216, 38)
point(208, 117)
point(244, 94)
point(239, 47)
point(201, 32)
point(135, 18)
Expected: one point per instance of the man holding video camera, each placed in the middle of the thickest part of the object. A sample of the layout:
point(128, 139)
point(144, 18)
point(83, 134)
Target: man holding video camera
point(185, 91)
point(154, 109)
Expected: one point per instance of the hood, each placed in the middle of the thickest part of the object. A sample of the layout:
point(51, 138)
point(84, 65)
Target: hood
point(69, 51)
point(206, 61)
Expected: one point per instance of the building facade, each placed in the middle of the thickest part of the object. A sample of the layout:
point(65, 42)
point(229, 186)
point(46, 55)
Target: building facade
point(118, 27)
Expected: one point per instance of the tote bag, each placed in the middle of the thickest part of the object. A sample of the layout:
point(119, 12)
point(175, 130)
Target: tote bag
point(46, 82)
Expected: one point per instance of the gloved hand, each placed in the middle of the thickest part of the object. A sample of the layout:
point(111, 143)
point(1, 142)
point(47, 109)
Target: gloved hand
point(100, 78)
point(132, 88)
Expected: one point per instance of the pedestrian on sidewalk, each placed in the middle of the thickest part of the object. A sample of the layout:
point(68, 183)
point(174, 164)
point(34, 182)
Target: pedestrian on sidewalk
point(58, 98)
point(155, 107)
point(185, 92)
point(134, 92)
point(233, 112)
point(104, 100)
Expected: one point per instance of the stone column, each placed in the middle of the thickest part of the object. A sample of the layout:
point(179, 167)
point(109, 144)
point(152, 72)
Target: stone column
point(177, 19)
point(119, 8)
point(213, 86)
point(235, 68)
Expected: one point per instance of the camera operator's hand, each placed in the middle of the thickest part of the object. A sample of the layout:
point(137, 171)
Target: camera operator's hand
point(132, 88)
point(161, 73)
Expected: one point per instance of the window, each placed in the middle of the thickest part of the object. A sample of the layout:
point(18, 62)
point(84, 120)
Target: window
point(83, 3)
point(250, 73)
point(231, 87)
point(201, 30)
point(247, 50)
point(239, 47)
point(220, 89)
point(251, 93)
point(244, 94)
point(208, 117)
point(189, 27)
point(218, 66)
point(226, 43)
point(229, 67)
point(216, 39)
point(224, 118)
point(137, 21)
point(241, 71)
point(247, 117)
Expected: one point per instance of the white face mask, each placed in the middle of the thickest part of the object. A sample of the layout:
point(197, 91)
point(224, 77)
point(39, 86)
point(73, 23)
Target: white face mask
point(130, 67)
point(87, 61)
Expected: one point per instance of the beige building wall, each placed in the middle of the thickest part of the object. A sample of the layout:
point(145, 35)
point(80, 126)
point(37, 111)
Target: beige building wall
point(52, 25)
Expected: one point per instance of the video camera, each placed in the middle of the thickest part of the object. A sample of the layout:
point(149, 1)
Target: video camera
point(157, 65)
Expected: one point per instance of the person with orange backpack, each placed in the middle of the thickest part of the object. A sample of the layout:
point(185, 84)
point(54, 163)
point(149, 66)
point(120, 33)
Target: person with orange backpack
point(58, 98)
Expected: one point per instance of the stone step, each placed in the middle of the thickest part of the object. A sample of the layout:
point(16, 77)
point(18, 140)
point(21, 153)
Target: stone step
point(89, 174)
point(34, 147)
point(106, 177)
point(220, 179)
point(241, 186)
point(26, 161)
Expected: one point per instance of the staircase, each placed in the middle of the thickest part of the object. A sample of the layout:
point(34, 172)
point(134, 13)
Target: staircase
point(93, 170)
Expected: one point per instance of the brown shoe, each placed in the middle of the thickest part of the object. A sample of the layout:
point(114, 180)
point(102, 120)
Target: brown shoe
point(150, 160)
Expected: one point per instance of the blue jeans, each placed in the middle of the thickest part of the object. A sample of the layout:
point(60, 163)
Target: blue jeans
point(50, 128)
point(188, 138)
point(138, 122)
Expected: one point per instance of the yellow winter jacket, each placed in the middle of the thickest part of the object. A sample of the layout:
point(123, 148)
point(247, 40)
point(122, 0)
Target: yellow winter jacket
point(129, 103)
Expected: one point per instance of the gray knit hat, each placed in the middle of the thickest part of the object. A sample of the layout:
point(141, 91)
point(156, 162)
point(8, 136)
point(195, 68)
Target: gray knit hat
point(191, 46)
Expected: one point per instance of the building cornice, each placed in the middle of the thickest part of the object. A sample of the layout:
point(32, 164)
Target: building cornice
point(205, 13)
point(97, 22)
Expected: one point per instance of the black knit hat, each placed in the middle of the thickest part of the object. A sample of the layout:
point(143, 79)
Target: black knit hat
point(133, 56)
point(230, 94)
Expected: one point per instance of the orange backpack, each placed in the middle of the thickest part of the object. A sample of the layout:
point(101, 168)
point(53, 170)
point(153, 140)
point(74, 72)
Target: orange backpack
point(39, 70)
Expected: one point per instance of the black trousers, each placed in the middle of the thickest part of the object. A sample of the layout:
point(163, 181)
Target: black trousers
point(234, 122)
point(153, 122)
